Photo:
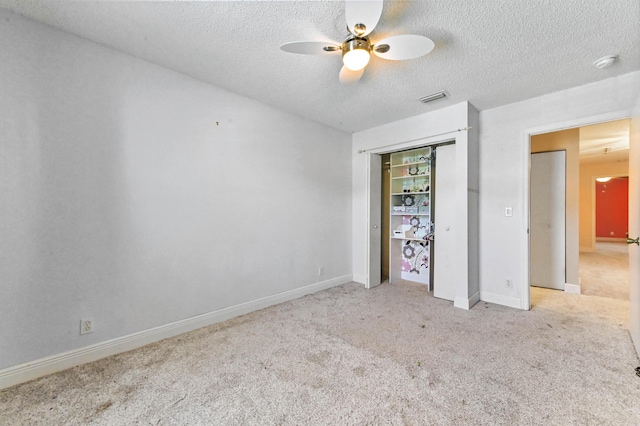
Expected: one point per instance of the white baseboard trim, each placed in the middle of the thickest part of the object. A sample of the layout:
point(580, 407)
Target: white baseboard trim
point(572, 288)
point(41, 367)
point(611, 239)
point(464, 303)
point(499, 299)
point(361, 279)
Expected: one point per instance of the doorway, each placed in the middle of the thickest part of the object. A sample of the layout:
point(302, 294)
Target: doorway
point(464, 221)
point(593, 151)
point(410, 175)
point(604, 272)
point(604, 166)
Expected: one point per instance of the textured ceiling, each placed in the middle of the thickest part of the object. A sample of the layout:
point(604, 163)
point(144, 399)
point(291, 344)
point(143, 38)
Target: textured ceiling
point(489, 52)
point(605, 142)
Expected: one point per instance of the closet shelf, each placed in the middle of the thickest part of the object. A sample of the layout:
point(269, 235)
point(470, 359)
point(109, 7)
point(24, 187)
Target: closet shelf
point(409, 193)
point(421, 175)
point(414, 163)
point(409, 239)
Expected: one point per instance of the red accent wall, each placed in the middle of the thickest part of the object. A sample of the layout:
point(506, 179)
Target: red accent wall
point(612, 208)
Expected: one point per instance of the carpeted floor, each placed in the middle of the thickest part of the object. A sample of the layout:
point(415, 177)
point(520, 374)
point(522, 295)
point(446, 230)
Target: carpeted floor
point(391, 355)
point(605, 272)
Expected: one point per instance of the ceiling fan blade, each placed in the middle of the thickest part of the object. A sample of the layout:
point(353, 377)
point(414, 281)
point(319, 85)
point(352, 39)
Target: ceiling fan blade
point(363, 12)
point(401, 47)
point(310, 47)
point(349, 77)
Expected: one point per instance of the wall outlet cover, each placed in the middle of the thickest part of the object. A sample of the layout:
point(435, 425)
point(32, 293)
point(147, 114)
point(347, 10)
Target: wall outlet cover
point(86, 326)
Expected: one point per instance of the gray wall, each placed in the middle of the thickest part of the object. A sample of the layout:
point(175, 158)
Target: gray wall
point(140, 196)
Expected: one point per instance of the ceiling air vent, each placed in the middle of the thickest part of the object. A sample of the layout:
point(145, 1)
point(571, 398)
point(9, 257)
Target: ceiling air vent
point(433, 97)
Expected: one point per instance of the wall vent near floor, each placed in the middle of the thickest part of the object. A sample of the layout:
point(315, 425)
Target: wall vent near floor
point(433, 97)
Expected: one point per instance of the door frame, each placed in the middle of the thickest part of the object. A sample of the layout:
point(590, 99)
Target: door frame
point(527, 133)
point(427, 141)
point(374, 219)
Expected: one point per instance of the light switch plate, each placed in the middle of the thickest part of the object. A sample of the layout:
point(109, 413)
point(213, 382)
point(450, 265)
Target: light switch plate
point(508, 211)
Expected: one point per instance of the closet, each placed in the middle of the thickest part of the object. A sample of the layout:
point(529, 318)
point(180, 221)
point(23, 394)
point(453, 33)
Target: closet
point(421, 218)
point(410, 216)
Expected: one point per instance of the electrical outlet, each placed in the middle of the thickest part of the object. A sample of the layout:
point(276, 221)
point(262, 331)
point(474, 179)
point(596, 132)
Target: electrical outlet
point(321, 271)
point(509, 283)
point(86, 325)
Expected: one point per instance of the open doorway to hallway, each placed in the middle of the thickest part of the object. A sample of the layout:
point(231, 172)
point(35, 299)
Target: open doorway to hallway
point(604, 170)
point(605, 271)
point(593, 265)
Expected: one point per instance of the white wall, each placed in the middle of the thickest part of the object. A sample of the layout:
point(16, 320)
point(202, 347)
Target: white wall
point(503, 172)
point(140, 196)
point(504, 152)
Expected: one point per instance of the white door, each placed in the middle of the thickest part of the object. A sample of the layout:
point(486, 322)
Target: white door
point(374, 270)
point(634, 231)
point(443, 247)
point(547, 219)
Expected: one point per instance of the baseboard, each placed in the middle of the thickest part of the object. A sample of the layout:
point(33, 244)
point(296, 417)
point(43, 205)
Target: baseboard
point(572, 288)
point(587, 249)
point(52, 364)
point(499, 299)
point(360, 279)
point(611, 240)
point(464, 303)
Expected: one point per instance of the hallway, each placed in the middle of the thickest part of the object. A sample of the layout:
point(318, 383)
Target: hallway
point(605, 272)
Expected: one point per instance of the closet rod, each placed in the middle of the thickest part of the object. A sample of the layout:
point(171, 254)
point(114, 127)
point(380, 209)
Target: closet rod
point(361, 151)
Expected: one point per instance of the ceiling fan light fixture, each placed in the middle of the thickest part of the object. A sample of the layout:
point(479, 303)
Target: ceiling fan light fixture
point(355, 53)
point(356, 59)
point(362, 17)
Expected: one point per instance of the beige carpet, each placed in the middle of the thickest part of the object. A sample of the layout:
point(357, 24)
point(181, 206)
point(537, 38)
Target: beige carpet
point(391, 355)
point(605, 272)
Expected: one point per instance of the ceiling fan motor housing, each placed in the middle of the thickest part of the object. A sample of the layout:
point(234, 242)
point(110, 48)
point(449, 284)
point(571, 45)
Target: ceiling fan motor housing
point(353, 43)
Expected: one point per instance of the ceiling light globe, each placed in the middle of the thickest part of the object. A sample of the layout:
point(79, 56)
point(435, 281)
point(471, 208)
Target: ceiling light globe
point(356, 59)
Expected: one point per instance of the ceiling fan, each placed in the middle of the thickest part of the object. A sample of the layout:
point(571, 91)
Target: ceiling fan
point(362, 18)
